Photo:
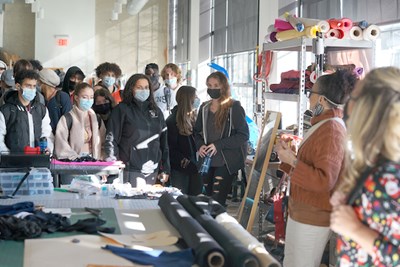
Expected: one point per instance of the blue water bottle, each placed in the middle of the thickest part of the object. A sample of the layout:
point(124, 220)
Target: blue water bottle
point(206, 165)
point(43, 145)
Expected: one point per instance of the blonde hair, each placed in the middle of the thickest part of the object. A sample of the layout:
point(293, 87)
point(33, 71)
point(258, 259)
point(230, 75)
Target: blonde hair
point(374, 124)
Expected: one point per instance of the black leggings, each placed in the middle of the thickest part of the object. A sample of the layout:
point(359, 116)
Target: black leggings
point(218, 183)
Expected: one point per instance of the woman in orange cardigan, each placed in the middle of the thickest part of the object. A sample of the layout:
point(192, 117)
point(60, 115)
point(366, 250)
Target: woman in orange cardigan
point(314, 171)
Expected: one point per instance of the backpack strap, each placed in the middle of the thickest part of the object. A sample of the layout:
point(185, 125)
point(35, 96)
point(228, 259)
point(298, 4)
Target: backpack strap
point(68, 119)
point(58, 99)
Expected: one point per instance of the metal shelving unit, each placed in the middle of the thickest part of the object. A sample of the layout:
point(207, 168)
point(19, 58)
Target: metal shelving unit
point(303, 45)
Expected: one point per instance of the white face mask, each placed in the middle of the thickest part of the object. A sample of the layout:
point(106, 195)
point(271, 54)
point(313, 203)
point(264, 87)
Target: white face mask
point(142, 95)
point(172, 83)
point(28, 94)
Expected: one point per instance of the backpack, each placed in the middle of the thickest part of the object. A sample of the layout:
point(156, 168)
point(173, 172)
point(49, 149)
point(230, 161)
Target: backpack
point(68, 118)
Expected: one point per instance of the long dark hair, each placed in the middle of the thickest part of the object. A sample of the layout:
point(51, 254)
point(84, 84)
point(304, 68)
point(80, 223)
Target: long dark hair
point(127, 94)
point(225, 101)
point(185, 116)
point(337, 86)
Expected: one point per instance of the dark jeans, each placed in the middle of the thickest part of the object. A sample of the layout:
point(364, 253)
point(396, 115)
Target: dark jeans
point(190, 184)
point(218, 183)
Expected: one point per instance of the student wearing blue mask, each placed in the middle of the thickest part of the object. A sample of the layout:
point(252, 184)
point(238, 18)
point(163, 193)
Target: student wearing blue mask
point(108, 73)
point(80, 132)
point(165, 96)
point(23, 119)
point(182, 147)
point(137, 134)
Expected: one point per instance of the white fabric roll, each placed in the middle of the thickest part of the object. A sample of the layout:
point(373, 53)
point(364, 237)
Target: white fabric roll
point(332, 33)
point(356, 33)
point(372, 33)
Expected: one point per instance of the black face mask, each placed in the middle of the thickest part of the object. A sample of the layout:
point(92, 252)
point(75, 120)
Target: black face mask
point(102, 108)
point(154, 81)
point(214, 93)
point(71, 86)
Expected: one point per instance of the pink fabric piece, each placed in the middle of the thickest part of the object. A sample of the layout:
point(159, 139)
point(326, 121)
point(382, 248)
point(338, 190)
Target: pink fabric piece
point(282, 25)
point(95, 163)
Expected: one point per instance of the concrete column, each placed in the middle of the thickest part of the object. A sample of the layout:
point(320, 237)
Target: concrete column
point(194, 40)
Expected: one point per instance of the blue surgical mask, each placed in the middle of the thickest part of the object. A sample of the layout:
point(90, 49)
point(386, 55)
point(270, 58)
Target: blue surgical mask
point(171, 83)
point(196, 103)
point(85, 104)
point(28, 94)
point(142, 95)
point(108, 81)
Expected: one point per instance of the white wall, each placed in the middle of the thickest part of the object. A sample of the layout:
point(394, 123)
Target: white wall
point(75, 18)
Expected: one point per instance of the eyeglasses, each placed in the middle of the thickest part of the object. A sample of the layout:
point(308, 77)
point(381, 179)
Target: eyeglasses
point(310, 92)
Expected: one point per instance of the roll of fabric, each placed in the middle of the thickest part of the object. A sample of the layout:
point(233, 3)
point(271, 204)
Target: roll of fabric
point(294, 21)
point(282, 25)
point(310, 32)
point(372, 33)
point(343, 24)
point(249, 241)
point(356, 33)
point(239, 256)
point(206, 250)
point(334, 34)
point(323, 25)
point(270, 38)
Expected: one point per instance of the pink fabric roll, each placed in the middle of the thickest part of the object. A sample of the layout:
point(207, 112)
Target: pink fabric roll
point(282, 25)
point(343, 24)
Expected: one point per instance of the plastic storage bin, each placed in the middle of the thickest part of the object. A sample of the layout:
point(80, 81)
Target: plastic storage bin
point(39, 182)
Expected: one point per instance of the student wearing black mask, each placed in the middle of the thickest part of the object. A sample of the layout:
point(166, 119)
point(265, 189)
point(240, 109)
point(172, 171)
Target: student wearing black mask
point(73, 77)
point(221, 132)
point(103, 103)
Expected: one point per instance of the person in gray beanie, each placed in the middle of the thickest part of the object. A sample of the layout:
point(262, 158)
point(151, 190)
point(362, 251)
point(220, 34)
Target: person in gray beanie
point(57, 101)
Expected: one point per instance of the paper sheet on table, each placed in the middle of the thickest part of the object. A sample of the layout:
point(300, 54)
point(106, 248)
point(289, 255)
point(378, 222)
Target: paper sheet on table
point(62, 252)
point(156, 239)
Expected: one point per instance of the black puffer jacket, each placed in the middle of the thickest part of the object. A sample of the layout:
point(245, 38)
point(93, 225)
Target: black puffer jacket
point(17, 122)
point(180, 146)
point(137, 136)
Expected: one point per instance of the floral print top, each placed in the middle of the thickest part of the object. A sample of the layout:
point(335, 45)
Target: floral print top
point(378, 206)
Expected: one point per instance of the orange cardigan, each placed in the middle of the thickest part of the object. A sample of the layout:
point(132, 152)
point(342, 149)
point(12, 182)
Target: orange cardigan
point(319, 164)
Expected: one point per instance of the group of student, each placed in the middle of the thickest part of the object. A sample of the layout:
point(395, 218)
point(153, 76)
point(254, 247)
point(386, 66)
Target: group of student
point(157, 128)
point(161, 131)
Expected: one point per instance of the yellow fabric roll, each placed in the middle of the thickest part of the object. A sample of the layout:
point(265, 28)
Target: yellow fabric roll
point(310, 32)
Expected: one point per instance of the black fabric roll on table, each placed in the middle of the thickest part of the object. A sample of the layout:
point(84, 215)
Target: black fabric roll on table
point(237, 254)
point(207, 251)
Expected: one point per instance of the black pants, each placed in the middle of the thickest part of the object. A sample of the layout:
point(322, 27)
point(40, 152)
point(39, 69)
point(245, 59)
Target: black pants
point(190, 184)
point(218, 183)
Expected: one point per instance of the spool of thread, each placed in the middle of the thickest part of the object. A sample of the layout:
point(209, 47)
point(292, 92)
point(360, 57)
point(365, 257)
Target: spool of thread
point(371, 33)
point(334, 33)
point(343, 24)
point(310, 32)
point(322, 24)
point(363, 24)
point(270, 38)
point(296, 24)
